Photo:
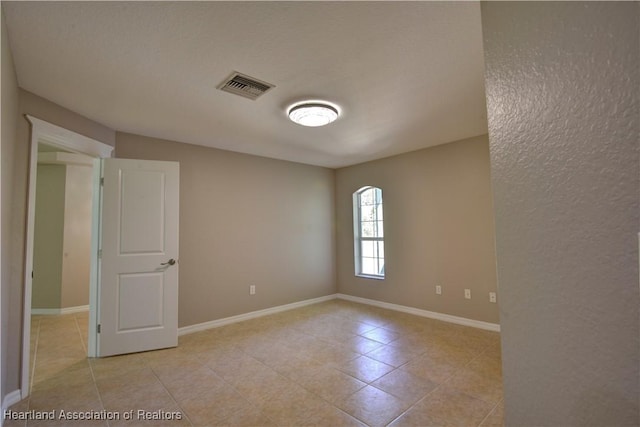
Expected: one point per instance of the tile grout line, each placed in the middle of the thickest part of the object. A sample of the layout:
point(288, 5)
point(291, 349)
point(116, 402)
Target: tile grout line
point(227, 384)
point(414, 404)
point(169, 393)
point(33, 367)
point(268, 367)
point(443, 385)
point(93, 377)
point(33, 362)
point(386, 326)
point(95, 386)
point(298, 383)
point(84, 345)
point(438, 386)
point(367, 383)
point(489, 414)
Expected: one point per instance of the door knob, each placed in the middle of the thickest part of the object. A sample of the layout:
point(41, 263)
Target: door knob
point(170, 262)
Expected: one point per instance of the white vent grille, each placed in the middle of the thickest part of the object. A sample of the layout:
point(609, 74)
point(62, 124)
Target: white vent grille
point(243, 85)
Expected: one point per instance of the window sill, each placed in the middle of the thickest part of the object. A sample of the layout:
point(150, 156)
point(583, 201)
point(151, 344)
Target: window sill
point(369, 276)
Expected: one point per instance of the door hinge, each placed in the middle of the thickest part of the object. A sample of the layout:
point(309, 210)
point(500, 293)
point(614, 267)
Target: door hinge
point(101, 181)
point(98, 328)
point(99, 253)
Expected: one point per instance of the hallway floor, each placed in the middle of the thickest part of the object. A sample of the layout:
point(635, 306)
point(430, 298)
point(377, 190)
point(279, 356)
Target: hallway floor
point(336, 363)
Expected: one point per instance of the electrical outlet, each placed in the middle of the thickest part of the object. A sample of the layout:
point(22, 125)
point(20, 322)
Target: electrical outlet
point(252, 290)
point(467, 293)
point(492, 297)
point(438, 290)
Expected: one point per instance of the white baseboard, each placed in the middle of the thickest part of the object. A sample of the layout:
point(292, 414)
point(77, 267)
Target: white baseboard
point(9, 400)
point(57, 311)
point(251, 315)
point(396, 307)
point(424, 313)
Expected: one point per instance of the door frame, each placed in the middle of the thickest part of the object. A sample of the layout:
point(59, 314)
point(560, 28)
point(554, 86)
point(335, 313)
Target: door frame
point(50, 134)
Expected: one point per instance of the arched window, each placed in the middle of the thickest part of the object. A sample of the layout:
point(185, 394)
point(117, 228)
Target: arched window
point(368, 232)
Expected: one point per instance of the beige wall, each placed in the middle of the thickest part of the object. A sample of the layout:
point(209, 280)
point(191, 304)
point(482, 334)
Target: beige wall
point(438, 225)
point(48, 236)
point(62, 240)
point(9, 289)
point(246, 220)
point(563, 98)
point(77, 236)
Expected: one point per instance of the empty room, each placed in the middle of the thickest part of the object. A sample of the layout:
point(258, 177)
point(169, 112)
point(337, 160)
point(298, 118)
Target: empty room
point(320, 213)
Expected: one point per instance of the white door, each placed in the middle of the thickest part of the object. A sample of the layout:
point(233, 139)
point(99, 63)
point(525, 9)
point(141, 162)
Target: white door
point(138, 279)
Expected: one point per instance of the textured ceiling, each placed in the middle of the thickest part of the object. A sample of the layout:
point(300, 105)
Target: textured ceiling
point(407, 75)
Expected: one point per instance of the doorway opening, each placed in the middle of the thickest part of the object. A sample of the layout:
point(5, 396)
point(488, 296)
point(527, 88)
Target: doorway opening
point(61, 254)
point(49, 136)
point(62, 232)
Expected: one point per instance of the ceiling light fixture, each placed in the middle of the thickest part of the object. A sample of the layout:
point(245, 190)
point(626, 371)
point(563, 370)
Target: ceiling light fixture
point(313, 113)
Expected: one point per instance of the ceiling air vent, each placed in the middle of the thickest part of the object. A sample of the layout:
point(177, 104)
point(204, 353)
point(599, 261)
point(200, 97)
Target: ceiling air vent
point(245, 86)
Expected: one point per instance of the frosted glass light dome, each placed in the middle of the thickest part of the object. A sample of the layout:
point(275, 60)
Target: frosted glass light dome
point(313, 114)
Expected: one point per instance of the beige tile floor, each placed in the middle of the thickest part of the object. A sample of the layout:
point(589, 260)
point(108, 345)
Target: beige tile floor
point(331, 364)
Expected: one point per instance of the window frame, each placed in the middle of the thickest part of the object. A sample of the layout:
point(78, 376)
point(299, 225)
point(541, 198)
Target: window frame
point(358, 239)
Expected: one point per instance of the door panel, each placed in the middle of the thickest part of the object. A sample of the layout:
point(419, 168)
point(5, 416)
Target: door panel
point(138, 289)
point(142, 212)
